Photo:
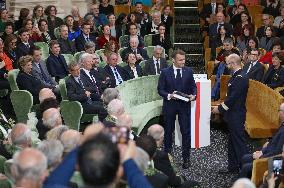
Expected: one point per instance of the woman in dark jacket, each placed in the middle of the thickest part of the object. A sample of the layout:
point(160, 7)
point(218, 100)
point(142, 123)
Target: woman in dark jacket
point(52, 20)
point(134, 70)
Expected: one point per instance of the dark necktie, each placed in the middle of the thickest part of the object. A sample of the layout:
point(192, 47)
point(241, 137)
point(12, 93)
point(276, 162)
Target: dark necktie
point(178, 77)
point(117, 75)
point(42, 73)
point(158, 67)
point(27, 45)
point(87, 39)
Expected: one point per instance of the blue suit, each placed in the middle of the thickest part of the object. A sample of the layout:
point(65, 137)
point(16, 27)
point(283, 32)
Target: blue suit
point(56, 66)
point(167, 85)
point(234, 112)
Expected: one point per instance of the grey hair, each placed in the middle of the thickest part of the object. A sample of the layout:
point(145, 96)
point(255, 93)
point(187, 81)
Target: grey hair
point(33, 173)
point(236, 58)
point(158, 134)
point(109, 94)
point(115, 107)
point(244, 182)
point(90, 44)
point(53, 150)
point(83, 57)
point(51, 121)
point(88, 17)
point(56, 132)
point(69, 143)
point(134, 38)
point(141, 158)
point(158, 47)
point(156, 13)
point(24, 138)
point(228, 40)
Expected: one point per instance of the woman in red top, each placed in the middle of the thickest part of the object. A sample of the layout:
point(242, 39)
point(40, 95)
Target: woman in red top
point(267, 58)
point(3, 56)
point(106, 37)
point(35, 34)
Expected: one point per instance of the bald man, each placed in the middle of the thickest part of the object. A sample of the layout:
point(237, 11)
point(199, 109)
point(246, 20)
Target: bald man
point(29, 168)
point(70, 139)
point(45, 93)
point(52, 118)
point(21, 135)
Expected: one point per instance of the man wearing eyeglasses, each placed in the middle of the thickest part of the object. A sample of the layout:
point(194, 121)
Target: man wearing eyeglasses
point(234, 113)
point(254, 70)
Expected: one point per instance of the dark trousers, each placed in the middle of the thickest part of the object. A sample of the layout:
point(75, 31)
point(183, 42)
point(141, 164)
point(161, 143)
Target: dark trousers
point(237, 142)
point(95, 108)
point(182, 109)
point(246, 170)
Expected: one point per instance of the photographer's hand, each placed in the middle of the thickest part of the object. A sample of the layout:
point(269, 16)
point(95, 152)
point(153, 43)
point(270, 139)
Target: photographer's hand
point(271, 181)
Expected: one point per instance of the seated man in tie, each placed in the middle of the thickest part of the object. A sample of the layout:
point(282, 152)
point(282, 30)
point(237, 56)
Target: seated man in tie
point(25, 45)
point(254, 69)
point(84, 37)
point(116, 72)
point(39, 71)
point(140, 53)
point(80, 89)
point(154, 65)
point(66, 46)
point(55, 63)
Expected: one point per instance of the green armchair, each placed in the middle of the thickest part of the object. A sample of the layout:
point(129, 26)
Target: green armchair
point(44, 49)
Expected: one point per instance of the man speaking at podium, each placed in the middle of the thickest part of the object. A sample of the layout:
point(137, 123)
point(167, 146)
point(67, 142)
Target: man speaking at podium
point(177, 87)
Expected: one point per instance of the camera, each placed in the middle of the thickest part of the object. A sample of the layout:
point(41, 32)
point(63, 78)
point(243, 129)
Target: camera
point(118, 135)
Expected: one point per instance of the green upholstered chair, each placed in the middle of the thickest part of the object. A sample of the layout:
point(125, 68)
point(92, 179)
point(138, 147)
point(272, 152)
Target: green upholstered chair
point(68, 58)
point(12, 78)
point(7, 168)
point(44, 49)
point(22, 102)
point(142, 64)
point(102, 64)
point(6, 183)
point(2, 162)
point(123, 42)
point(148, 40)
point(122, 64)
point(141, 100)
point(150, 51)
point(77, 55)
point(57, 32)
point(120, 50)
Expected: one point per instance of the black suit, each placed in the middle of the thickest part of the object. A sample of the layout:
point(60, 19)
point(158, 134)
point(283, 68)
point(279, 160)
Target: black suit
point(168, 22)
point(255, 72)
point(274, 77)
point(168, 83)
point(128, 50)
point(122, 72)
point(158, 180)
point(76, 92)
point(91, 81)
point(131, 73)
point(30, 83)
point(67, 46)
point(207, 11)
point(150, 29)
point(234, 113)
point(22, 49)
point(214, 32)
point(150, 68)
point(102, 78)
point(56, 66)
point(165, 43)
point(80, 41)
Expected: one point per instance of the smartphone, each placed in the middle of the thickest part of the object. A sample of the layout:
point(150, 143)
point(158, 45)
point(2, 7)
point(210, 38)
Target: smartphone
point(118, 134)
point(277, 166)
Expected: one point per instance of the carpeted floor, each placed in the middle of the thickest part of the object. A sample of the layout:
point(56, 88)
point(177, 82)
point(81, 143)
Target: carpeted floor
point(206, 161)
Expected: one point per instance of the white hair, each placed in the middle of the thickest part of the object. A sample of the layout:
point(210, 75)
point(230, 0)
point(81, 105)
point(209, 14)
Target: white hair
point(83, 57)
point(115, 107)
point(141, 158)
point(51, 121)
point(23, 138)
point(109, 94)
point(243, 183)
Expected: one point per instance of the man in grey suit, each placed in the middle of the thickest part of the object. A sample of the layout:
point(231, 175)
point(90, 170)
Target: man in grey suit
point(39, 71)
point(154, 65)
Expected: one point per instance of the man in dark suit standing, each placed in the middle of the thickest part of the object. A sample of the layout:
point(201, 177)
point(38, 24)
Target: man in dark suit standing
point(55, 63)
point(254, 70)
point(234, 113)
point(66, 46)
point(271, 148)
point(117, 74)
point(39, 70)
point(84, 37)
point(25, 45)
point(140, 53)
point(80, 89)
point(154, 65)
point(177, 78)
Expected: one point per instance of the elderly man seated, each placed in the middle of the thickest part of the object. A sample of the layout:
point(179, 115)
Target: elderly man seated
point(115, 109)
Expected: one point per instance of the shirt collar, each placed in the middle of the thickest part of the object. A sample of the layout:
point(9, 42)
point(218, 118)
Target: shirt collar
point(155, 59)
point(86, 71)
point(175, 68)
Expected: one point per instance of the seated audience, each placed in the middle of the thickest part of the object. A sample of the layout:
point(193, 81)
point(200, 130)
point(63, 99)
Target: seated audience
point(10, 44)
point(105, 8)
point(274, 76)
point(243, 39)
point(4, 18)
point(213, 28)
point(25, 79)
point(162, 39)
point(52, 20)
point(252, 42)
point(154, 65)
point(273, 147)
point(24, 46)
point(245, 21)
point(56, 132)
point(44, 94)
point(46, 35)
point(105, 37)
point(140, 53)
point(84, 37)
point(24, 15)
point(134, 69)
point(90, 47)
point(40, 72)
point(278, 19)
point(67, 46)
point(38, 14)
point(99, 18)
point(53, 151)
point(89, 19)
point(266, 41)
point(276, 47)
point(55, 63)
point(9, 30)
point(167, 19)
point(236, 18)
point(51, 118)
point(117, 73)
point(70, 139)
point(34, 32)
point(218, 40)
point(115, 30)
point(266, 21)
point(73, 28)
point(254, 69)
point(138, 12)
point(111, 47)
point(29, 168)
point(207, 10)
point(79, 89)
point(152, 27)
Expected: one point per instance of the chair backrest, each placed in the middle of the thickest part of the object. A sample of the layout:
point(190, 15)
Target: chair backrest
point(78, 55)
point(57, 32)
point(118, 9)
point(72, 112)
point(142, 64)
point(122, 64)
point(138, 91)
point(150, 51)
point(218, 49)
point(2, 162)
point(68, 58)
point(44, 49)
point(62, 88)
point(148, 40)
point(22, 102)
point(12, 78)
point(123, 42)
point(120, 50)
